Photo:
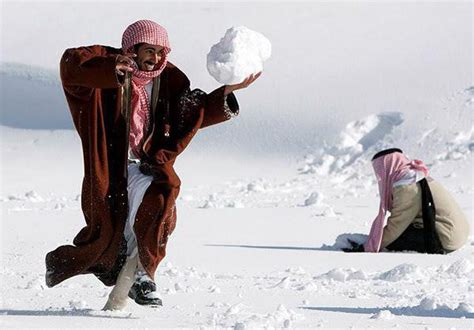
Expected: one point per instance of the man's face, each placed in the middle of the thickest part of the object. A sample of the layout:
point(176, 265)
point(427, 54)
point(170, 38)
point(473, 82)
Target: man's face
point(148, 56)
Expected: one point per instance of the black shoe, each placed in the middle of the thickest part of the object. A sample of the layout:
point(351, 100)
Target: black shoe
point(144, 293)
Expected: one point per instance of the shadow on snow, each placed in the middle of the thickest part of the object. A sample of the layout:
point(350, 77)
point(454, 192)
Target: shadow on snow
point(399, 311)
point(64, 312)
point(267, 247)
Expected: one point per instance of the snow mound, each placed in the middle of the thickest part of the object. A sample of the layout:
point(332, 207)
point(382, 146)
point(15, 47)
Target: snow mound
point(296, 270)
point(403, 272)
point(343, 275)
point(256, 186)
point(383, 315)
point(210, 202)
point(470, 91)
point(213, 201)
point(337, 274)
point(434, 305)
point(460, 147)
point(461, 268)
point(33, 196)
point(240, 53)
point(238, 317)
point(77, 304)
point(358, 138)
point(315, 198)
point(30, 196)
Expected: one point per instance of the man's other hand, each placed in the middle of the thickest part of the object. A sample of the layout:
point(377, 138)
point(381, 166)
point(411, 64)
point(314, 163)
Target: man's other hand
point(355, 247)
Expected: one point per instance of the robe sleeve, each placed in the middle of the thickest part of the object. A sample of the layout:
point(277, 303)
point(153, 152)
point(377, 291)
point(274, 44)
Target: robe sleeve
point(219, 108)
point(405, 207)
point(197, 110)
point(193, 109)
point(88, 67)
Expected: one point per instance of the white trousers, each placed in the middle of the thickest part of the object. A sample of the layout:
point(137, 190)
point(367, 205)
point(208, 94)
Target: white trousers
point(119, 295)
point(137, 185)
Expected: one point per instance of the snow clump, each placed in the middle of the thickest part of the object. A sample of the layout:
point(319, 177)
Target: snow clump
point(315, 198)
point(383, 315)
point(342, 275)
point(403, 272)
point(443, 309)
point(240, 53)
point(460, 268)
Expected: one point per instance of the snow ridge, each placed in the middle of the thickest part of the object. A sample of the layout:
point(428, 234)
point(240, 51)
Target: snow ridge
point(30, 72)
point(356, 140)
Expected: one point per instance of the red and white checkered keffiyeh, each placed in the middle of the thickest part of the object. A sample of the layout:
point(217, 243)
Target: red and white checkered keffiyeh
point(143, 31)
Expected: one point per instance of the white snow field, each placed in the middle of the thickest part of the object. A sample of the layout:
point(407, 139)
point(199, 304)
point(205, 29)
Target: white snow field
point(268, 199)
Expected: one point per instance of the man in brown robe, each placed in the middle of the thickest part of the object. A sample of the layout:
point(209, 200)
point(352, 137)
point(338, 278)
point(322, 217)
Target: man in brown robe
point(135, 113)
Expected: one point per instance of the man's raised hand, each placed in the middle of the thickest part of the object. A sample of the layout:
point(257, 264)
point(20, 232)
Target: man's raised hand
point(124, 64)
point(244, 84)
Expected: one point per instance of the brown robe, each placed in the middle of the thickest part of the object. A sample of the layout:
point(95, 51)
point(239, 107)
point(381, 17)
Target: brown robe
point(100, 104)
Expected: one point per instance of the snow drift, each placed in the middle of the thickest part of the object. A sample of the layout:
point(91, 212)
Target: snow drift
point(32, 97)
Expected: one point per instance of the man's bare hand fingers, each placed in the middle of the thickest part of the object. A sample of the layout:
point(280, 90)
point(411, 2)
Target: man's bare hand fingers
point(124, 66)
point(250, 79)
point(121, 68)
point(254, 77)
point(126, 59)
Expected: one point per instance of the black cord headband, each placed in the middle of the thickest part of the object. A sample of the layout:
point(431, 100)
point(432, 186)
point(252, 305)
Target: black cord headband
point(386, 152)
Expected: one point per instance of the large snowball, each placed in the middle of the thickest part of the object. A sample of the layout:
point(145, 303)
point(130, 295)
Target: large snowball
point(240, 53)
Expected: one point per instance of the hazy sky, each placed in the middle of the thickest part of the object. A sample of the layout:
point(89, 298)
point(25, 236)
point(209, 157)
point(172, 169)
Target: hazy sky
point(355, 58)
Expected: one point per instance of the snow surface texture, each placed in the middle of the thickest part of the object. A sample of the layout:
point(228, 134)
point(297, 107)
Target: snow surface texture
point(258, 238)
point(240, 53)
point(273, 236)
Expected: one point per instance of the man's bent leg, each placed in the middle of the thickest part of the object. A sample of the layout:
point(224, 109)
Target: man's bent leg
point(410, 240)
point(119, 294)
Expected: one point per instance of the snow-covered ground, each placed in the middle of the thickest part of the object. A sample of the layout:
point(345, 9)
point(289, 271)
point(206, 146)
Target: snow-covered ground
point(268, 199)
point(251, 249)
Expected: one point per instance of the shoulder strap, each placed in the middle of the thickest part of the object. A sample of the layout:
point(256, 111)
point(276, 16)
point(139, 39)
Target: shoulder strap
point(432, 242)
point(155, 93)
point(155, 96)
